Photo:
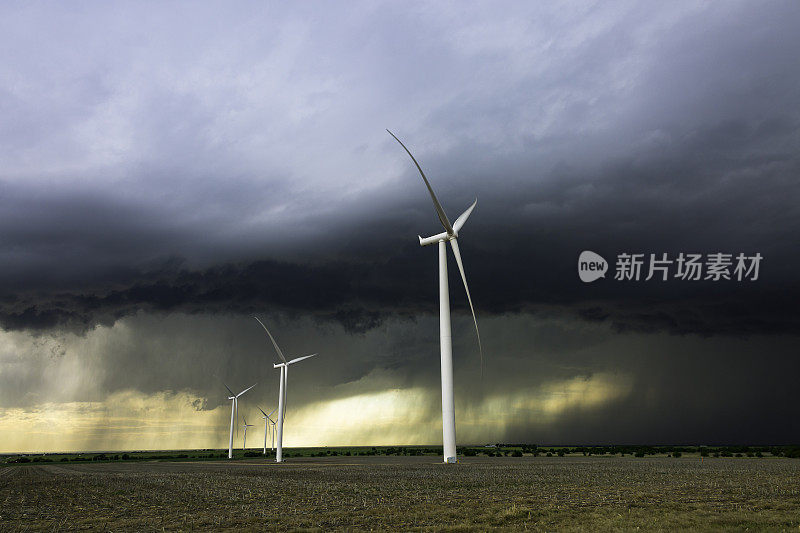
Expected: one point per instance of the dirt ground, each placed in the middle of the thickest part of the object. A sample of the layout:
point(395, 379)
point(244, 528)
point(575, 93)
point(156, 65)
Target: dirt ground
point(407, 493)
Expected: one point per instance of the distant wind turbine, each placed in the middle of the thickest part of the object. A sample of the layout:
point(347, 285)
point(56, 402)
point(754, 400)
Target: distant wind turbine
point(284, 366)
point(245, 426)
point(267, 422)
point(445, 338)
point(234, 411)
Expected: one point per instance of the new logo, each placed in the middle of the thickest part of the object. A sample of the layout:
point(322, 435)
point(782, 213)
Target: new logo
point(591, 266)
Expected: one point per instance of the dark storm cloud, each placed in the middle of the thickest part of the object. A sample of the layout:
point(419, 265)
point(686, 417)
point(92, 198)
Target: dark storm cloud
point(638, 138)
point(172, 173)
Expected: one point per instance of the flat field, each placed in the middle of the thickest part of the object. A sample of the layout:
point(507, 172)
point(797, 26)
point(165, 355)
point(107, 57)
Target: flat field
point(408, 494)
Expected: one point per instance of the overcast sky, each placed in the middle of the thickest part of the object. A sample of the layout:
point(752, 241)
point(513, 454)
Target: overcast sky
point(168, 170)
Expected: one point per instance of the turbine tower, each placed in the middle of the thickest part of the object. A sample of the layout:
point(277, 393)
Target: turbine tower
point(234, 411)
point(284, 366)
point(267, 422)
point(245, 426)
point(445, 339)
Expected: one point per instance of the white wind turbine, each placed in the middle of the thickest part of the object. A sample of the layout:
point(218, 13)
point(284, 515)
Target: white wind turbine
point(245, 426)
point(267, 422)
point(445, 340)
point(284, 366)
point(234, 411)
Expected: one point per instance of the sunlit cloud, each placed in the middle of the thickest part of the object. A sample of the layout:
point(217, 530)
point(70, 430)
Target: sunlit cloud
point(126, 420)
point(130, 420)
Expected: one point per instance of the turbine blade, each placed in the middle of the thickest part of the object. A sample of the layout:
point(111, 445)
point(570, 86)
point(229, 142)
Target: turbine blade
point(270, 414)
point(275, 344)
point(457, 254)
point(300, 358)
point(247, 389)
point(439, 210)
point(229, 389)
point(262, 411)
point(459, 223)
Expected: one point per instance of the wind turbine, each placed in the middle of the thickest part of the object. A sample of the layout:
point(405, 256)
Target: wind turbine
point(234, 411)
point(267, 421)
point(445, 339)
point(245, 426)
point(284, 366)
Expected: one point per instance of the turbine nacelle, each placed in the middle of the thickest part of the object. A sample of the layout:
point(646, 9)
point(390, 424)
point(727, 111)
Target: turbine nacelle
point(449, 235)
point(433, 239)
point(293, 361)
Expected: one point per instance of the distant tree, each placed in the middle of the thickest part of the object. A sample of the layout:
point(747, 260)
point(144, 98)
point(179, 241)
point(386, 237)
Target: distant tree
point(676, 454)
point(549, 454)
point(793, 452)
point(517, 453)
point(639, 454)
point(561, 453)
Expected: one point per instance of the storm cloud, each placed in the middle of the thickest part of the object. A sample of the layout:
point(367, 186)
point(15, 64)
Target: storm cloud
point(195, 166)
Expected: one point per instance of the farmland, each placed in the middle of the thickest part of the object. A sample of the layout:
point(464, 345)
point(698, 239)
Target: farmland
point(416, 492)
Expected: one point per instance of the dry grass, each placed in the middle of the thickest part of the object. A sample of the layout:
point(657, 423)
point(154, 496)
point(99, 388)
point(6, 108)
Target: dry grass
point(407, 493)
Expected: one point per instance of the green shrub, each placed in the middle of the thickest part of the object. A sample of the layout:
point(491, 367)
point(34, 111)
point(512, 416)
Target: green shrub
point(517, 453)
point(793, 452)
